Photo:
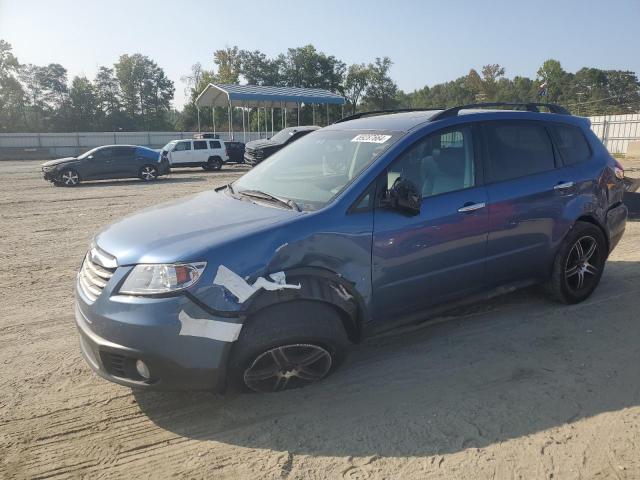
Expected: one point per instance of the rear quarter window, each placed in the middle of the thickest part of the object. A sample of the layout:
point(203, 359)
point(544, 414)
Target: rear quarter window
point(214, 144)
point(517, 149)
point(572, 145)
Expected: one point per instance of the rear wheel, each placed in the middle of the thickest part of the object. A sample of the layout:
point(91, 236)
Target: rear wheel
point(214, 164)
point(148, 173)
point(579, 264)
point(68, 178)
point(287, 346)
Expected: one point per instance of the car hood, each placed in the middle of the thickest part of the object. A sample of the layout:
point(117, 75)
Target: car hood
point(258, 144)
point(185, 229)
point(52, 163)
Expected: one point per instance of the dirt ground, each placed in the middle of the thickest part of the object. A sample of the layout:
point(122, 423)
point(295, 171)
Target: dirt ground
point(517, 388)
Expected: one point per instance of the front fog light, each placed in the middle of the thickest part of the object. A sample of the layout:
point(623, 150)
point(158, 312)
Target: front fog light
point(143, 370)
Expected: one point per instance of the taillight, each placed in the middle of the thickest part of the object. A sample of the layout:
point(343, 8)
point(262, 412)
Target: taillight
point(618, 169)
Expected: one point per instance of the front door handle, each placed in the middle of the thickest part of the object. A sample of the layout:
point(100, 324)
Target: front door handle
point(471, 207)
point(563, 186)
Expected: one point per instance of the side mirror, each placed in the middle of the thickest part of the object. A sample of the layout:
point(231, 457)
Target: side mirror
point(405, 195)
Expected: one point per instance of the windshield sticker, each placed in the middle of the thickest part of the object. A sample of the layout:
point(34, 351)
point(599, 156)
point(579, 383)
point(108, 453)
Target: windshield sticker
point(371, 138)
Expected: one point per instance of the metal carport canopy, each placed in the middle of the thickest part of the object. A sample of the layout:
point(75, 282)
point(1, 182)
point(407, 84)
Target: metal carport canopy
point(223, 95)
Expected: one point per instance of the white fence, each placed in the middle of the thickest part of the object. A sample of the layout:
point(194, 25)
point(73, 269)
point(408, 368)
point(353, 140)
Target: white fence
point(616, 131)
point(35, 145)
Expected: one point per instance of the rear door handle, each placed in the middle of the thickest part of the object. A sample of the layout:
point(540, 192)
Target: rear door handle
point(563, 186)
point(471, 207)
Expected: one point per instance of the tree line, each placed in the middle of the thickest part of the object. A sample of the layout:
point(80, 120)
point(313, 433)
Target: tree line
point(135, 93)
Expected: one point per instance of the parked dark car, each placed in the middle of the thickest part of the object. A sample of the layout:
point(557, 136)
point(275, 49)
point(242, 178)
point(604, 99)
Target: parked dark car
point(258, 150)
point(108, 162)
point(235, 151)
point(359, 227)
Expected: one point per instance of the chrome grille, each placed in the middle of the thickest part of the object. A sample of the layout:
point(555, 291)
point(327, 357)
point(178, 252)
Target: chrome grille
point(97, 268)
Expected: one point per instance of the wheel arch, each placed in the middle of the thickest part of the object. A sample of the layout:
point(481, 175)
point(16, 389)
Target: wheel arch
point(320, 285)
point(594, 221)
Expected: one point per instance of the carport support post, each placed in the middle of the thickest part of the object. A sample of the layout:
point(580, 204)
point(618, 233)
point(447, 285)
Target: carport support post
point(272, 121)
point(230, 120)
point(298, 113)
point(342, 111)
point(244, 132)
point(213, 117)
point(198, 109)
point(249, 121)
point(313, 113)
point(327, 114)
point(266, 126)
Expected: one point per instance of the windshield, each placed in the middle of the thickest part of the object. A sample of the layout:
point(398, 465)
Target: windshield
point(282, 135)
point(169, 146)
point(90, 152)
point(314, 169)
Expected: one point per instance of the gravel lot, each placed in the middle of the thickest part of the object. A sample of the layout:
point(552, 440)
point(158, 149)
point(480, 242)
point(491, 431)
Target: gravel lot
point(515, 388)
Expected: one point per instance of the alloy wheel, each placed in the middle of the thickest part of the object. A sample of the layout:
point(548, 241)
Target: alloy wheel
point(583, 264)
point(69, 178)
point(287, 366)
point(148, 173)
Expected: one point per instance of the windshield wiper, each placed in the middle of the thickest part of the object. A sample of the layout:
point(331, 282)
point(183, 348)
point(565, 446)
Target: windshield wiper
point(267, 196)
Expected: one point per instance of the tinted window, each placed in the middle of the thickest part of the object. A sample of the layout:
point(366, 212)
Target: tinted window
point(517, 149)
point(571, 143)
point(214, 144)
point(182, 146)
point(200, 145)
point(103, 153)
point(442, 162)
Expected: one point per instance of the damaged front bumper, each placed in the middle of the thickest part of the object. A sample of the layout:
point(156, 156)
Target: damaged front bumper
point(182, 345)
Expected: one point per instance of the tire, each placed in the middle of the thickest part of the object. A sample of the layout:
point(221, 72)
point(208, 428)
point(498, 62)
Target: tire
point(68, 178)
point(285, 346)
point(213, 164)
point(148, 173)
point(578, 265)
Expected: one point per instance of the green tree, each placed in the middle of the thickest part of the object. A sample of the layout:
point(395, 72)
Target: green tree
point(356, 82)
point(84, 104)
point(381, 90)
point(11, 91)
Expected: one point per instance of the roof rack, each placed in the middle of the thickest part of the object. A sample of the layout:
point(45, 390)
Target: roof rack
point(382, 112)
point(529, 107)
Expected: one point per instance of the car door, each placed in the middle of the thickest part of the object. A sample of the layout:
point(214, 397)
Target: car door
point(124, 162)
point(419, 261)
point(527, 196)
point(181, 153)
point(200, 151)
point(98, 165)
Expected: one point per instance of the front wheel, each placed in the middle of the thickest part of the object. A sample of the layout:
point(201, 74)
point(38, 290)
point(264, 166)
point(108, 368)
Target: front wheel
point(579, 264)
point(287, 346)
point(148, 173)
point(69, 178)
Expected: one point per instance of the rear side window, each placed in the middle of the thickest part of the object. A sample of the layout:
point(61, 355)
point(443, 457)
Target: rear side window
point(571, 143)
point(180, 146)
point(214, 144)
point(200, 145)
point(517, 149)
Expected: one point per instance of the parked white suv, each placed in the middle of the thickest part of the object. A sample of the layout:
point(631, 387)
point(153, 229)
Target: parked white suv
point(207, 153)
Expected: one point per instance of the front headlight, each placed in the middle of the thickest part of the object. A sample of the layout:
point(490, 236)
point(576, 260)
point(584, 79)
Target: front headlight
point(153, 279)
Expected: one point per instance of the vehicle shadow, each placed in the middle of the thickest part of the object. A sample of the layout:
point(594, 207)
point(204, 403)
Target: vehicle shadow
point(122, 183)
point(504, 369)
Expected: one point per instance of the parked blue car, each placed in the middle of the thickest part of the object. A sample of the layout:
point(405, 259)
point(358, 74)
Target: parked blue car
point(370, 223)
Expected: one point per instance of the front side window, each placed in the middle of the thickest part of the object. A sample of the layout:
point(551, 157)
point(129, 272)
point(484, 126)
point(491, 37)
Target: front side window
point(441, 162)
point(314, 169)
point(200, 145)
point(181, 146)
point(517, 149)
point(571, 143)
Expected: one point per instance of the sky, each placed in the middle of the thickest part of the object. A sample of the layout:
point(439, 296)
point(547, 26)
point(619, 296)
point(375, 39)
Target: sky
point(429, 41)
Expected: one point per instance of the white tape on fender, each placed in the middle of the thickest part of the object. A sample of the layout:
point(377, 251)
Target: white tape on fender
point(239, 287)
point(213, 329)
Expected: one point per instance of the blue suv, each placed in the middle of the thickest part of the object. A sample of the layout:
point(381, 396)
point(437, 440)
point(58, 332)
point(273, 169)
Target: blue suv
point(375, 221)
